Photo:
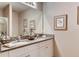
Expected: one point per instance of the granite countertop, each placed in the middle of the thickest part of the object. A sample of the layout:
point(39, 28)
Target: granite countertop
point(30, 42)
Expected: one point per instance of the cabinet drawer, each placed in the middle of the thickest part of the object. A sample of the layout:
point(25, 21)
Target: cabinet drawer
point(44, 43)
point(41, 44)
point(17, 52)
point(33, 47)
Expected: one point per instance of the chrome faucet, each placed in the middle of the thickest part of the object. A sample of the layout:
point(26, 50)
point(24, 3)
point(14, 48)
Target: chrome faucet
point(32, 32)
point(18, 39)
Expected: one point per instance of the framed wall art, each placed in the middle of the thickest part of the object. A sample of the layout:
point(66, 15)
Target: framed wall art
point(60, 22)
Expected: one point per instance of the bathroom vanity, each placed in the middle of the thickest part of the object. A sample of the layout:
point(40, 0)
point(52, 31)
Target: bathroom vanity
point(25, 19)
point(41, 47)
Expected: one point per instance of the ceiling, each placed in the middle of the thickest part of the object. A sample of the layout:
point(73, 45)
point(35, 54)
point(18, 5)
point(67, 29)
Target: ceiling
point(18, 6)
point(3, 4)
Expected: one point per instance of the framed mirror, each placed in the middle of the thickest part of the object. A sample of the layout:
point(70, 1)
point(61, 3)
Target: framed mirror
point(22, 17)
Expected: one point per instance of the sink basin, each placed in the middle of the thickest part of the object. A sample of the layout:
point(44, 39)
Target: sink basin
point(15, 44)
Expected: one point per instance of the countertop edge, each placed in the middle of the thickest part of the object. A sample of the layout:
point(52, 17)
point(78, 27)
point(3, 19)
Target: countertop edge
point(25, 45)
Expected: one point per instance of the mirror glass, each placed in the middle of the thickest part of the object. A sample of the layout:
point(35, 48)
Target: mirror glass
point(32, 22)
point(3, 26)
point(26, 20)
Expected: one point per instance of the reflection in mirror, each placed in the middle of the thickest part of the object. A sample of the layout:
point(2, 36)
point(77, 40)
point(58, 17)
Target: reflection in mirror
point(32, 24)
point(34, 18)
point(32, 27)
point(33, 21)
point(3, 26)
point(25, 26)
point(22, 16)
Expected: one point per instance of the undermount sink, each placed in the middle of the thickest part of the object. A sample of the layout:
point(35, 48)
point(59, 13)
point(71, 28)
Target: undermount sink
point(16, 43)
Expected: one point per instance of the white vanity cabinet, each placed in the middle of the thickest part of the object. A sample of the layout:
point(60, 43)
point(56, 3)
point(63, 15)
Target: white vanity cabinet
point(39, 49)
point(4, 54)
point(27, 51)
point(46, 48)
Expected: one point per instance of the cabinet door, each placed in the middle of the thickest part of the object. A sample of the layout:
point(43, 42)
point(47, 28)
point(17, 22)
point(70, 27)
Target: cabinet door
point(4, 54)
point(49, 48)
point(43, 52)
point(26, 52)
point(33, 50)
point(17, 52)
point(34, 53)
point(46, 48)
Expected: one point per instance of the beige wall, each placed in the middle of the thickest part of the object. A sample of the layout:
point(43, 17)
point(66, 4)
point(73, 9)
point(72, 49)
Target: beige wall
point(67, 42)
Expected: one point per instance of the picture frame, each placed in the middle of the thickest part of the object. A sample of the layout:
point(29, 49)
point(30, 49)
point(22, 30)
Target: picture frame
point(60, 22)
